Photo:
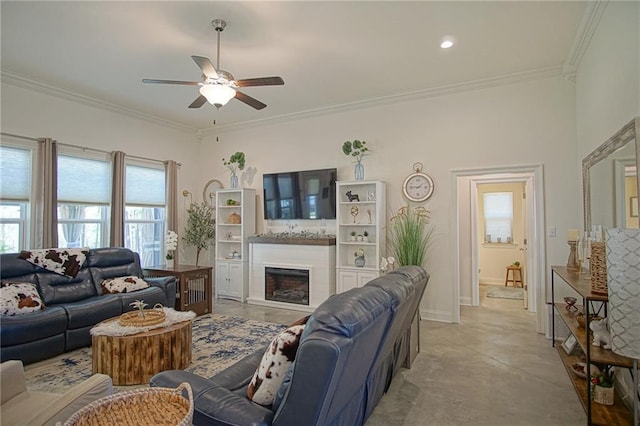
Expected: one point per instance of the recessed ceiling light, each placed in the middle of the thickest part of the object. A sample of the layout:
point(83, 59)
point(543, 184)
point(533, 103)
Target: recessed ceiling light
point(446, 43)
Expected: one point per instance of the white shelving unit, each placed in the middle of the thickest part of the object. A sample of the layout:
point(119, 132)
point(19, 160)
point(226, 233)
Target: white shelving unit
point(232, 248)
point(364, 214)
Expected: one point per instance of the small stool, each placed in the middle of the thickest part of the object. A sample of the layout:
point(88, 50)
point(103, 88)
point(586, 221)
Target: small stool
point(513, 269)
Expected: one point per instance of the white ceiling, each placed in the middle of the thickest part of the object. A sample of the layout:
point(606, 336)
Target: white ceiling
point(330, 54)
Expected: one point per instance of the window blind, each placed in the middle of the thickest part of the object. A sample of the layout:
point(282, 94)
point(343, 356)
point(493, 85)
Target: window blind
point(145, 186)
point(15, 173)
point(83, 180)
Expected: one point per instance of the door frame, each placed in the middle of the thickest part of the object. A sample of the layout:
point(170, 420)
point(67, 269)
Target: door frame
point(533, 176)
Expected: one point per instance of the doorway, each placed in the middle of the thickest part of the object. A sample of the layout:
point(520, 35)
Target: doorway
point(467, 241)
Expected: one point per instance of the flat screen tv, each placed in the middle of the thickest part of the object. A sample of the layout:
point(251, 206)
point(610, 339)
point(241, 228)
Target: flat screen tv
point(308, 194)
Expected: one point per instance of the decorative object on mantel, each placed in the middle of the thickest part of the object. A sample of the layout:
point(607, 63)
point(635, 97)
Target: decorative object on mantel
point(235, 162)
point(409, 235)
point(356, 149)
point(360, 260)
point(201, 227)
point(623, 273)
point(170, 245)
point(573, 236)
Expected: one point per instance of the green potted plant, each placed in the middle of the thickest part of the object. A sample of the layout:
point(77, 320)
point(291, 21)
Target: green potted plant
point(235, 162)
point(201, 227)
point(602, 386)
point(356, 149)
point(365, 236)
point(353, 235)
point(409, 235)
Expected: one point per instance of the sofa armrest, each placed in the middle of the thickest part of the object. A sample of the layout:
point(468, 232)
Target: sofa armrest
point(168, 285)
point(215, 405)
point(95, 387)
point(12, 379)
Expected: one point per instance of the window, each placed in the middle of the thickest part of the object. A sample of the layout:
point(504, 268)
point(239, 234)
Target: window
point(498, 216)
point(145, 217)
point(15, 184)
point(84, 196)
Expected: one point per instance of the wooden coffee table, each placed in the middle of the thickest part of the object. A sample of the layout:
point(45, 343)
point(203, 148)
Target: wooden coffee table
point(134, 359)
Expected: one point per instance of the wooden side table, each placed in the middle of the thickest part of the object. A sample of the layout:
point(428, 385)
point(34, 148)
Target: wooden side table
point(194, 285)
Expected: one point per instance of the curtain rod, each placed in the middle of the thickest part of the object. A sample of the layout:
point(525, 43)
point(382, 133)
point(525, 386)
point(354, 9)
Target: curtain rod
point(84, 148)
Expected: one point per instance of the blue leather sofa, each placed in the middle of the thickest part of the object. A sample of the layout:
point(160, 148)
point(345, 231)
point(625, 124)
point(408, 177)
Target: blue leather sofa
point(72, 305)
point(350, 349)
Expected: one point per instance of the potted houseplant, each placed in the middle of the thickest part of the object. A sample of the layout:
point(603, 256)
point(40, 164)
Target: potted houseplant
point(409, 235)
point(365, 236)
point(353, 235)
point(235, 162)
point(200, 228)
point(170, 245)
point(356, 149)
point(602, 386)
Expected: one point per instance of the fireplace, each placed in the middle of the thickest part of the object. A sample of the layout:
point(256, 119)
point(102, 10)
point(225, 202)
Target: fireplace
point(287, 285)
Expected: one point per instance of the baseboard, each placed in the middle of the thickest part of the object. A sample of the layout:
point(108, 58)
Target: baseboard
point(466, 301)
point(440, 316)
point(492, 281)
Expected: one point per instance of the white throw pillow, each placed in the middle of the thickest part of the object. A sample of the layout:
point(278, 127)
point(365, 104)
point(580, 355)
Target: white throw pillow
point(19, 298)
point(274, 366)
point(123, 284)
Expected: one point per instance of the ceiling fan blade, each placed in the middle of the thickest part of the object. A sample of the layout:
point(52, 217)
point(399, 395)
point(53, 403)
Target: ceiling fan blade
point(262, 81)
point(187, 83)
point(252, 102)
point(206, 66)
point(200, 100)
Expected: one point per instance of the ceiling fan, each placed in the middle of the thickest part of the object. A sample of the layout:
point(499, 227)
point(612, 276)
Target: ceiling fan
point(219, 86)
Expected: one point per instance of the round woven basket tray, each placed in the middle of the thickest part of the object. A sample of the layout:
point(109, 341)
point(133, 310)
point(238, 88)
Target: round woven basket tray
point(147, 406)
point(150, 317)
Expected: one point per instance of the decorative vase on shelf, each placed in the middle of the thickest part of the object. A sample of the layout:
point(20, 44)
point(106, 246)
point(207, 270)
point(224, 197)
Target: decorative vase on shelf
point(233, 181)
point(359, 171)
point(360, 261)
point(168, 263)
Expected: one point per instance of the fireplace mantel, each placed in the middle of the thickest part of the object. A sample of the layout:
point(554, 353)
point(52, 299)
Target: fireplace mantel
point(316, 255)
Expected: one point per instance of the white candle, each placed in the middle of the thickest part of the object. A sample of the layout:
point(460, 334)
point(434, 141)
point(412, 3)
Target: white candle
point(573, 235)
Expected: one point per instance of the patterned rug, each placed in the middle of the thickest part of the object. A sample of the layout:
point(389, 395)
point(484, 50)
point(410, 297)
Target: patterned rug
point(505, 293)
point(218, 342)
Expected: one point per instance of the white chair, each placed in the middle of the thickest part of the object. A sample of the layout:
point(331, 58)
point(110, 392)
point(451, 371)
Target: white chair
point(23, 407)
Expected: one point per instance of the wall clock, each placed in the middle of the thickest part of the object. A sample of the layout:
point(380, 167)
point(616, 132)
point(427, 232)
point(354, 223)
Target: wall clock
point(418, 186)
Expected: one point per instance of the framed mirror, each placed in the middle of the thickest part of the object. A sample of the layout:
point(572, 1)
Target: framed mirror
point(610, 180)
point(209, 191)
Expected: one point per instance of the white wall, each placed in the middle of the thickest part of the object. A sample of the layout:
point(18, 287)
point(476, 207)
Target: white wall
point(29, 113)
point(520, 124)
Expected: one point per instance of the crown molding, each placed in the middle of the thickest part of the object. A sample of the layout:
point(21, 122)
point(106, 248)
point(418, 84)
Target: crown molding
point(495, 81)
point(588, 26)
point(36, 86)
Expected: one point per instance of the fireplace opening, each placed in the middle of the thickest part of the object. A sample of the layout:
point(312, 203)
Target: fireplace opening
point(287, 285)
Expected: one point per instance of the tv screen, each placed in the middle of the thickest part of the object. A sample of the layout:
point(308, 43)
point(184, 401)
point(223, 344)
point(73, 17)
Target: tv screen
point(308, 194)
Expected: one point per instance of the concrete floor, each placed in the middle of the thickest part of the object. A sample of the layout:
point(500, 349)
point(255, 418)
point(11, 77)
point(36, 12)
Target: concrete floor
point(492, 369)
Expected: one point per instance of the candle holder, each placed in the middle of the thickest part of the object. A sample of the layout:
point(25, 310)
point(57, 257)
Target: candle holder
point(572, 262)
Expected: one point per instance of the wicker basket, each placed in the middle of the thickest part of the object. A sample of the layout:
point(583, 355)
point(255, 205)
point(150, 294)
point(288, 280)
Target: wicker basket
point(150, 317)
point(598, 263)
point(234, 219)
point(147, 406)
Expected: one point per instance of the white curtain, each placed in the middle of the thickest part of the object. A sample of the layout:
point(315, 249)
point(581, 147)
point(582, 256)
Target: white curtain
point(116, 236)
point(46, 195)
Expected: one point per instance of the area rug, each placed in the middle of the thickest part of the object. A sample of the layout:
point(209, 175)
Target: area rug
point(505, 293)
point(218, 342)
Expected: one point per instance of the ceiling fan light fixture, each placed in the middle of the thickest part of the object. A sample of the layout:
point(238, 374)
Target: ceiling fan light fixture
point(217, 94)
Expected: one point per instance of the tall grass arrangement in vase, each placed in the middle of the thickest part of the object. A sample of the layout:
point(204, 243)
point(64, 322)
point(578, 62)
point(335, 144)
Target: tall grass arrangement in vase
point(409, 235)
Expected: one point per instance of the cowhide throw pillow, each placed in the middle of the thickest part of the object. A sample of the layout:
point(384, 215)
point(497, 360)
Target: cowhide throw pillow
point(123, 284)
point(19, 299)
point(63, 261)
point(274, 366)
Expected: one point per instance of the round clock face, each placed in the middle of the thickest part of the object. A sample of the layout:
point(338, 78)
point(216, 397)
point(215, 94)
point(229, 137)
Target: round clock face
point(418, 187)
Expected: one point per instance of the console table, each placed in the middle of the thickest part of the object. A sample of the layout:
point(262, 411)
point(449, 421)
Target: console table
point(193, 285)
